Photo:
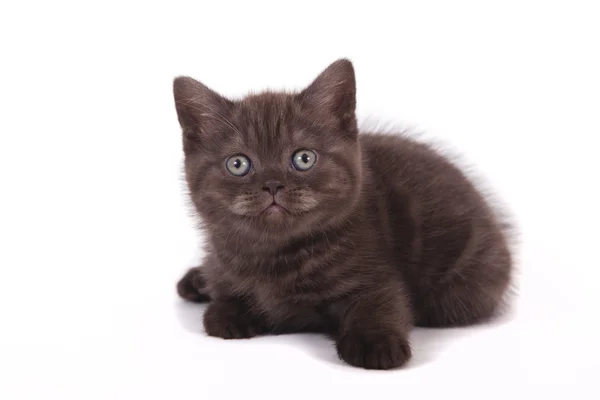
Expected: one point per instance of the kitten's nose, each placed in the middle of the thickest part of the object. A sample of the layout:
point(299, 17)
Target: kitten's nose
point(272, 187)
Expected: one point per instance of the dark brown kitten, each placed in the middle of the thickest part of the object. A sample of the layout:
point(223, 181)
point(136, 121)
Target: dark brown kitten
point(313, 227)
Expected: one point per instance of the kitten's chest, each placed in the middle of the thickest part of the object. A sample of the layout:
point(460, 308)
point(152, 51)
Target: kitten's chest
point(296, 294)
point(297, 285)
point(293, 291)
point(291, 307)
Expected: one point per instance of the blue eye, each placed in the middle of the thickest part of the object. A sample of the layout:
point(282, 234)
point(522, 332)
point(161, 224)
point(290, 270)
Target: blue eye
point(238, 165)
point(304, 160)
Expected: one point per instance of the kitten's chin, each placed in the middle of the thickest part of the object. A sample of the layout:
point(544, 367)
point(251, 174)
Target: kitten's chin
point(275, 214)
point(275, 210)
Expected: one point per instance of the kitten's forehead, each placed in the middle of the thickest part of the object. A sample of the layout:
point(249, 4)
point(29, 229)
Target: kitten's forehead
point(269, 121)
point(271, 125)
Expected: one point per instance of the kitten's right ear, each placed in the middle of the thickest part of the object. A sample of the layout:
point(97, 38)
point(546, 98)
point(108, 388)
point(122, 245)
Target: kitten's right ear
point(196, 105)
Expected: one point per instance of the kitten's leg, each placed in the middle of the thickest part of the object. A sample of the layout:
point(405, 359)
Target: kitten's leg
point(192, 286)
point(374, 328)
point(232, 318)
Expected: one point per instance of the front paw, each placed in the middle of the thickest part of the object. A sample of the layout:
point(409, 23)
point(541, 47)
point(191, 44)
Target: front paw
point(230, 320)
point(373, 350)
point(192, 286)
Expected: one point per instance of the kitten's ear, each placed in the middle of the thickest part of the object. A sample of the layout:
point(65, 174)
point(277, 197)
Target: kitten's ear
point(196, 105)
point(334, 92)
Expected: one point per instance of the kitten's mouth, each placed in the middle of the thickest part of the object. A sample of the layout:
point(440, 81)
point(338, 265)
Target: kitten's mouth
point(275, 209)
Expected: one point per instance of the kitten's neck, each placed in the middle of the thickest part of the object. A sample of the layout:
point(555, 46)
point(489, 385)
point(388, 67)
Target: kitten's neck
point(270, 260)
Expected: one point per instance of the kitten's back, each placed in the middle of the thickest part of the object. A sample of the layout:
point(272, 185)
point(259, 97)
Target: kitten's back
point(442, 226)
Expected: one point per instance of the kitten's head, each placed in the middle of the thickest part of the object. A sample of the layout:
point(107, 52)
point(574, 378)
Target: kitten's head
point(273, 165)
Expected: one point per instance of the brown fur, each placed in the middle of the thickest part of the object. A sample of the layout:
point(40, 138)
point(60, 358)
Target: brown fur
point(382, 234)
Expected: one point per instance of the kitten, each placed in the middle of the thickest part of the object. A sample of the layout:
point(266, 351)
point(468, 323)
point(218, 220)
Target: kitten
point(313, 227)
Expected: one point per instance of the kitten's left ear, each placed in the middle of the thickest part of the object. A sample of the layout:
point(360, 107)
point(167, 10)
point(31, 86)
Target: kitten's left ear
point(334, 92)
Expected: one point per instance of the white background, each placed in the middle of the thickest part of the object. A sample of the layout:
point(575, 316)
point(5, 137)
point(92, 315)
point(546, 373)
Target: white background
point(95, 231)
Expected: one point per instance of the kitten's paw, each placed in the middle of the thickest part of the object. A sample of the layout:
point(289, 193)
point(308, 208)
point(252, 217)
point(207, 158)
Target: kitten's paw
point(191, 285)
point(228, 320)
point(373, 350)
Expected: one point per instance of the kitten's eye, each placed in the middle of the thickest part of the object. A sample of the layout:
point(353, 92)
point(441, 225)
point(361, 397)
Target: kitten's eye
point(304, 159)
point(238, 165)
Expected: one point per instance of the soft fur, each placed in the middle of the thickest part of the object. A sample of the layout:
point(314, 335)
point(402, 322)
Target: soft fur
point(383, 233)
